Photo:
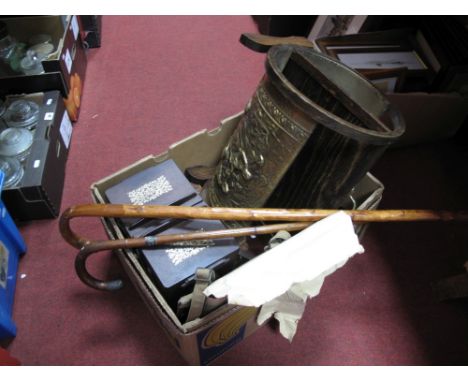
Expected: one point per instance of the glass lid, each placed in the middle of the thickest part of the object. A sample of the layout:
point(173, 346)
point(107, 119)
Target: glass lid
point(41, 38)
point(22, 113)
point(13, 171)
point(31, 63)
point(42, 50)
point(2, 107)
point(15, 141)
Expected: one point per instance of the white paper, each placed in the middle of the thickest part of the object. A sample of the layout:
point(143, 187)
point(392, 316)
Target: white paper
point(382, 60)
point(66, 129)
point(308, 255)
point(74, 26)
point(68, 60)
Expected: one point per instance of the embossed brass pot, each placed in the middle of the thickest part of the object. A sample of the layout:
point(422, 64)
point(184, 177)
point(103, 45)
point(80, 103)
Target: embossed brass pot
point(311, 131)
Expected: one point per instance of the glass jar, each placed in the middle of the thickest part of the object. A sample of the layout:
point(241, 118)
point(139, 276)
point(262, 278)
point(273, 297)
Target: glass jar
point(41, 38)
point(31, 63)
point(43, 49)
point(11, 52)
point(2, 108)
point(3, 124)
point(13, 171)
point(15, 142)
point(22, 113)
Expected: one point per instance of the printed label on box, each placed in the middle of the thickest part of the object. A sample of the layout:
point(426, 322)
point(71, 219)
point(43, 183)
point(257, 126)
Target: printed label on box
point(150, 191)
point(4, 254)
point(214, 341)
point(75, 27)
point(49, 116)
point(66, 129)
point(68, 61)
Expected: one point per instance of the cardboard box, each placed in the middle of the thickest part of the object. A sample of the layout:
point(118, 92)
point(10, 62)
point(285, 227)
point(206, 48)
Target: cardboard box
point(202, 340)
point(38, 195)
point(65, 68)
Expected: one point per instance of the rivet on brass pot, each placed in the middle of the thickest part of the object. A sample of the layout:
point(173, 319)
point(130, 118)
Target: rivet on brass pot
point(311, 131)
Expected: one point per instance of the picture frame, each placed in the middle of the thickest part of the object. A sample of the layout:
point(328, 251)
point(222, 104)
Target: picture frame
point(336, 25)
point(393, 48)
point(386, 80)
point(404, 38)
point(382, 58)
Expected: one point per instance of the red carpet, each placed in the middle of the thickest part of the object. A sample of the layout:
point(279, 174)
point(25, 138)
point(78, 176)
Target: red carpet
point(156, 80)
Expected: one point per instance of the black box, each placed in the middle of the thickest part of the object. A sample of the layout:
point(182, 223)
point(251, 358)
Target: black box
point(65, 68)
point(173, 267)
point(92, 26)
point(38, 195)
point(163, 184)
point(147, 227)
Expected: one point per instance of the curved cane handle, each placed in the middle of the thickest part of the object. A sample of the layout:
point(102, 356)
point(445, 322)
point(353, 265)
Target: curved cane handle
point(85, 276)
point(298, 220)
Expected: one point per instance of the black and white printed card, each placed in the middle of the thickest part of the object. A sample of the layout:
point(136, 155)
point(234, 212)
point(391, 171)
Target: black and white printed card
point(162, 184)
point(175, 263)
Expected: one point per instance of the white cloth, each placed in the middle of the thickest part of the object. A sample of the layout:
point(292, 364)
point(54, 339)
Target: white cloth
point(288, 308)
point(281, 279)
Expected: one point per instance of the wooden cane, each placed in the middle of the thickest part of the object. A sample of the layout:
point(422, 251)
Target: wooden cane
point(296, 220)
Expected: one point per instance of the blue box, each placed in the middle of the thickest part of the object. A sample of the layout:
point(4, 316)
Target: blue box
point(11, 247)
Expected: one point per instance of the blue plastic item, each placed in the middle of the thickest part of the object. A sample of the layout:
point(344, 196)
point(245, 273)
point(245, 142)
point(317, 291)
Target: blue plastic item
point(11, 247)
